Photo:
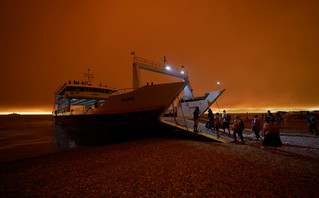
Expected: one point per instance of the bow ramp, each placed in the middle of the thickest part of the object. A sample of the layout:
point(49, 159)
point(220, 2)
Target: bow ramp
point(186, 106)
point(187, 125)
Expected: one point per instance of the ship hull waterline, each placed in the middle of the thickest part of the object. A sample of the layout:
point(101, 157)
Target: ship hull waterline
point(142, 107)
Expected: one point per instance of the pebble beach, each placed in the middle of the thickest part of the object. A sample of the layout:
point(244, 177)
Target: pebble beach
point(173, 165)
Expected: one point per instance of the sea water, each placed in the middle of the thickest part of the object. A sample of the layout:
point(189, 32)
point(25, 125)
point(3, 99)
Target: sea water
point(23, 136)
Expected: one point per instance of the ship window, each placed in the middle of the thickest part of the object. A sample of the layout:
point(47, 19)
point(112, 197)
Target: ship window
point(94, 89)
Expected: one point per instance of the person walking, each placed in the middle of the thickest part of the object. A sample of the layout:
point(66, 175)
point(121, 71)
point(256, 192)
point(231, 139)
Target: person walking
point(279, 117)
point(226, 121)
point(196, 118)
point(217, 124)
point(238, 128)
point(270, 115)
point(308, 121)
point(210, 123)
point(271, 133)
point(313, 124)
point(256, 126)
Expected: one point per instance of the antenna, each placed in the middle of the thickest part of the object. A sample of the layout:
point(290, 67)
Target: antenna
point(90, 76)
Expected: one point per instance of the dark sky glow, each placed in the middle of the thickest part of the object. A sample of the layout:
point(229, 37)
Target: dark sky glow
point(265, 53)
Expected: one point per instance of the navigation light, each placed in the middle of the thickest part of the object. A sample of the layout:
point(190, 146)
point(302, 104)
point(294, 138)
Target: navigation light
point(168, 68)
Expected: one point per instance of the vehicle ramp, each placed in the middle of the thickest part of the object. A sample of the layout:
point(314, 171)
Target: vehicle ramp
point(187, 125)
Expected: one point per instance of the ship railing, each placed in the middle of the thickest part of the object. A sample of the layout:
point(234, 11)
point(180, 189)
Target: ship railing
point(148, 62)
point(199, 96)
point(181, 73)
point(83, 83)
point(87, 83)
point(60, 88)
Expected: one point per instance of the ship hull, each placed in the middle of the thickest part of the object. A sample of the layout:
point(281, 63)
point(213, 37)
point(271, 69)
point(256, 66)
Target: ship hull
point(119, 120)
point(143, 106)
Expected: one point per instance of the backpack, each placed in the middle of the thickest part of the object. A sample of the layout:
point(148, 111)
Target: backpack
point(273, 128)
point(227, 117)
point(241, 125)
point(313, 120)
point(208, 124)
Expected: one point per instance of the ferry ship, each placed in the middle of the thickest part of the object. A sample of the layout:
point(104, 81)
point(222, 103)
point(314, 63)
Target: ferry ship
point(85, 102)
point(100, 104)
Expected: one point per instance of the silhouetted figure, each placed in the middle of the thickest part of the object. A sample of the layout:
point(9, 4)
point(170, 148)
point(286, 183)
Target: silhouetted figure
point(226, 121)
point(308, 121)
point(271, 133)
point(97, 104)
point(238, 128)
point(270, 115)
point(278, 119)
point(312, 123)
point(210, 122)
point(256, 126)
point(196, 118)
point(217, 124)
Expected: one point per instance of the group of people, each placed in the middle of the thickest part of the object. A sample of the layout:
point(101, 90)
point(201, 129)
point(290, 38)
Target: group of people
point(222, 121)
point(270, 127)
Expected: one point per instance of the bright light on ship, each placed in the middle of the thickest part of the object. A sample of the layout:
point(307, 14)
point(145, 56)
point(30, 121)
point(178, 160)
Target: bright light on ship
point(168, 68)
point(218, 83)
point(182, 72)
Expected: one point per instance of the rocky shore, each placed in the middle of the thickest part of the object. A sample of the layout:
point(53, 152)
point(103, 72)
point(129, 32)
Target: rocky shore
point(178, 166)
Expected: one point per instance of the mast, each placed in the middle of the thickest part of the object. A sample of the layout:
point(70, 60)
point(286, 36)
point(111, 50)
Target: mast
point(89, 76)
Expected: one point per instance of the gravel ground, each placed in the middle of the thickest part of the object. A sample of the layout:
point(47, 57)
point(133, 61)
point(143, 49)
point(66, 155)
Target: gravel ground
point(173, 166)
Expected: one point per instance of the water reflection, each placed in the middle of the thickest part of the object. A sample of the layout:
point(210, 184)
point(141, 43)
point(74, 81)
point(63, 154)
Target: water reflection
point(30, 136)
point(62, 139)
point(69, 136)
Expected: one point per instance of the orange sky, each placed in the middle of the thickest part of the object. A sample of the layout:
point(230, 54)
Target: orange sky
point(265, 53)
